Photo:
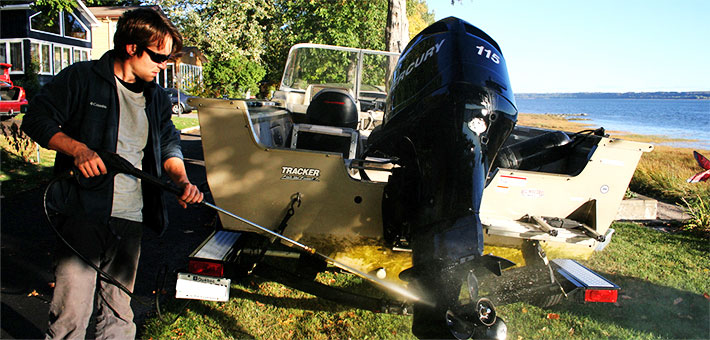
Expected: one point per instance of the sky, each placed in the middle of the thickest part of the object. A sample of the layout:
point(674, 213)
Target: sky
point(595, 45)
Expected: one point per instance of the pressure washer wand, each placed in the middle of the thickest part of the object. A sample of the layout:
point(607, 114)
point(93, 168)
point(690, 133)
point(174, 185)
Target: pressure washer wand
point(268, 231)
point(118, 163)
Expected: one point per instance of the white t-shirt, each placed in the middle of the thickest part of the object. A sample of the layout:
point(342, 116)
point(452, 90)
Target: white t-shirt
point(132, 138)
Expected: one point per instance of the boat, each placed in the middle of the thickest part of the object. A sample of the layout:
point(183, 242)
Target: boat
point(409, 171)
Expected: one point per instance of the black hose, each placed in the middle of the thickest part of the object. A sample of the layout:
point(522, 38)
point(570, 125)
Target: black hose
point(159, 291)
point(116, 165)
point(101, 273)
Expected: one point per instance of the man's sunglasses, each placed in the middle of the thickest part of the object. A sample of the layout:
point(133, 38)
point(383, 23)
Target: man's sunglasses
point(157, 57)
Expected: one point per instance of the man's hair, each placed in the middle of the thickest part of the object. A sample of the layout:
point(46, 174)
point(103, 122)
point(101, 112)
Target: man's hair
point(143, 27)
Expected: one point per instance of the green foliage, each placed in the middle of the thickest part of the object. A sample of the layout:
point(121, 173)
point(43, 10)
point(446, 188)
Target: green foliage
point(699, 211)
point(357, 24)
point(19, 143)
point(18, 168)
point(263, 31)
point(418, 16)
point(231, 35)
point(52, 8)
point(662, 174)
point(232, 77)
point(30, 82)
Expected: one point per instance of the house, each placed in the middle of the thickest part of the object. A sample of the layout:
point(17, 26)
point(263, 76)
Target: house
point(84, 34)
point(185, 66)
point(26, 36)
point(189, 64)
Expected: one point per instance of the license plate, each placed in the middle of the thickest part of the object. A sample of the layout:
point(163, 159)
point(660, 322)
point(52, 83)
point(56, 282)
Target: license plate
point(200, 287)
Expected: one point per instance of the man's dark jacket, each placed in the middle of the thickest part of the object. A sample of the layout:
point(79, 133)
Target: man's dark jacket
point(82, 102)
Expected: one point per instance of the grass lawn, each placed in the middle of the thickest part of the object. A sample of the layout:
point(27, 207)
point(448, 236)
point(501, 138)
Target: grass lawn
point(663, 276)
point(184, 122)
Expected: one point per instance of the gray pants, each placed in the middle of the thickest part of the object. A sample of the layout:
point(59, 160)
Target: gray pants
point(115, 248)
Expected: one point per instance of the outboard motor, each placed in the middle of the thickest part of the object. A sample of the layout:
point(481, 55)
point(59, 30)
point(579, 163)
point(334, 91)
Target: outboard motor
point(449, 109)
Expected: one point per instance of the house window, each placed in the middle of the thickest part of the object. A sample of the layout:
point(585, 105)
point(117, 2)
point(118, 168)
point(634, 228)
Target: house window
point(16, 58)
point(40, 54)
point(66, 57)
point(80, 55)
point(11, 53)
point(74, 28)
point(62, 58)
point(67, 25)
point(39, 22)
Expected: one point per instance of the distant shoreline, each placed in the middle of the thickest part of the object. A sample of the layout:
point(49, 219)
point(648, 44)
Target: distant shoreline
point(702, 95)
point(572, 122)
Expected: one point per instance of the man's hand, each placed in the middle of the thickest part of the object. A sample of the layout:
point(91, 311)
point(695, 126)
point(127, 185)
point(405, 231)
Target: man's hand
point(190, 195)
point(85, 159)
point(89, 163)
point(175, 168)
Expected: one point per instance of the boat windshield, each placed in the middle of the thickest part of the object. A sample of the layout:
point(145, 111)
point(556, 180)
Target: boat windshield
point(356, 70)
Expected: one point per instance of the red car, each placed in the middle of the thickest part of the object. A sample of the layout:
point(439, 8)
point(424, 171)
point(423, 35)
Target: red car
point(11, 97)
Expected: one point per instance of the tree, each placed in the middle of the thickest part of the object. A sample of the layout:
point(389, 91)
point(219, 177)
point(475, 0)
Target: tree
point(231, 34)
point(418, 16)
point(397, 29)
point(232, 77)
point(396, 33)
point(263, 31)
point(334, 22)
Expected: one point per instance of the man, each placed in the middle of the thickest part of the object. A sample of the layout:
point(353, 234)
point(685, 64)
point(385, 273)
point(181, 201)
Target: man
point(112, 105)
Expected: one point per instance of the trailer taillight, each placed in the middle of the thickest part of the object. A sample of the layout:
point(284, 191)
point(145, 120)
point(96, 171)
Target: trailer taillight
point(600, 295)
point(206, 268)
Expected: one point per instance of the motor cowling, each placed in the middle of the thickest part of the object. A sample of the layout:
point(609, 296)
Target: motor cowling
point(449, 109)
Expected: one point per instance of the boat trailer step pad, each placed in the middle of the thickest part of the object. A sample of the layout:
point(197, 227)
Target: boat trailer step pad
point(218, 246)
point(581, 275)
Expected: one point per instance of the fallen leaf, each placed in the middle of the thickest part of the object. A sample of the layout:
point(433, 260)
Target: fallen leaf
point(626, 297)
point(525, 310)
point(34, 293)
point(677, 301)
point(51, 284)
point(685, 316)
point(188, 231)
point(706, 295)
point(571, 331)
point(553, 316)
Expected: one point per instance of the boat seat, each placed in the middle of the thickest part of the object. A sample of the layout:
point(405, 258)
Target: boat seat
point(332, 118)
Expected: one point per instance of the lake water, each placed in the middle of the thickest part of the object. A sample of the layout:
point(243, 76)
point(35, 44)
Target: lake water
point(675, 118)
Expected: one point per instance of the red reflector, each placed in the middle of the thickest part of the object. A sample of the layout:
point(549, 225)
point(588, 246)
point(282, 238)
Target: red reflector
point(600, 295)
point(206, 268)
point(332, 102)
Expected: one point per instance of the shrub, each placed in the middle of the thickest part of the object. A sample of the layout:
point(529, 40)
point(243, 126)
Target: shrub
point(19, 142)
point(699, 211)
point(232, 77)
